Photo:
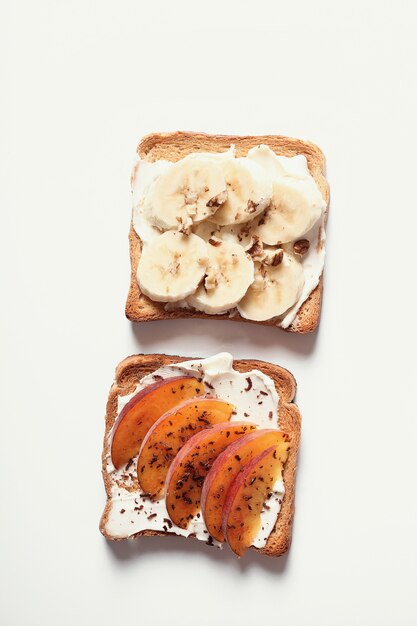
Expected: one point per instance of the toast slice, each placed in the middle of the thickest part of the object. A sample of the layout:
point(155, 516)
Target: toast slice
point(130, 371)
point(175, 146)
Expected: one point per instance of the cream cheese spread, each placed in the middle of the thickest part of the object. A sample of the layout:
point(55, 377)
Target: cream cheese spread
point(255, 399)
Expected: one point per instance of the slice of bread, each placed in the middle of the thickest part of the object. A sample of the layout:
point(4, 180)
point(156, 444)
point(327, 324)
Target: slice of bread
point(174, 146)
point(130, 371)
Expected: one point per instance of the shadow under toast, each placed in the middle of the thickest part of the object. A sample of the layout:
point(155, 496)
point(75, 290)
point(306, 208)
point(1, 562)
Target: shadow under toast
point(229, 336)
point(142, 548)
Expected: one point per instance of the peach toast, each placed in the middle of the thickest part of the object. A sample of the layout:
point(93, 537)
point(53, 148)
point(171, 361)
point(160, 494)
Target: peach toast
point(209, 452)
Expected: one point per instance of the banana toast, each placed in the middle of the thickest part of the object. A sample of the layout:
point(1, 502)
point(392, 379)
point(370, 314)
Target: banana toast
point(173, 148)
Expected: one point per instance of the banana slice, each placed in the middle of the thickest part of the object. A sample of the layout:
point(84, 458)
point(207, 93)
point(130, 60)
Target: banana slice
point(235, 233)
point(296, 203)
point(267, 160)
point(188, 192)
point(296, 206)
point(249, 192)
point(277, 286)
point(206, 230)
point(229, 273)
point(171, 266)
point(295, 166)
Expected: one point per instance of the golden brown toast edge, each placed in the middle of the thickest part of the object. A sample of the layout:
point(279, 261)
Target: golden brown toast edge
point(134, 368)
point(174, 146)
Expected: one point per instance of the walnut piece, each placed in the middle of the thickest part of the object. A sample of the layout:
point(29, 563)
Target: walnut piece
point(256, 250)
point(301, 246)
point(252, 206)
point(214, 242)
point(275, 258)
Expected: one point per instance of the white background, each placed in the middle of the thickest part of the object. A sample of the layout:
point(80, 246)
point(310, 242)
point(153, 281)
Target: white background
point(82, 82)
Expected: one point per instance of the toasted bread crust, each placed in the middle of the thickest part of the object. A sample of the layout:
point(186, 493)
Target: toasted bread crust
point(174, 146)
point(134, 368)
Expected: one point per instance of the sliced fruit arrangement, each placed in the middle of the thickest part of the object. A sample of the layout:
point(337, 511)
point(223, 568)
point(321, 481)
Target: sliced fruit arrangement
point(210, 213)
point(241, 518)
point(168, 435)
point(185, 478)
point(225, 469)
point(142, 411)
point(190, 451)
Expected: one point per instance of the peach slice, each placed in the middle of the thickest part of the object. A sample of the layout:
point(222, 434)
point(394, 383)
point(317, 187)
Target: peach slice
point(241, 518)
point(188, 470)
point(225, 469)
point(169, 433)
point(144, 409)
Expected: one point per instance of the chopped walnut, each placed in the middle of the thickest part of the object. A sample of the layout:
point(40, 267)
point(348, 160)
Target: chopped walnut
point(273, 259)
point(256, 250)
point(252, 206)
point(218, 200)
point(301, 246)
point(184, 227)
point(214, 242)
